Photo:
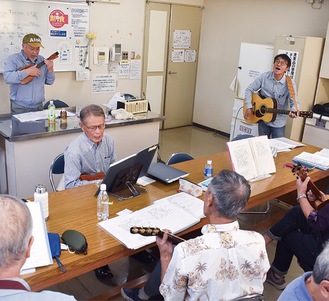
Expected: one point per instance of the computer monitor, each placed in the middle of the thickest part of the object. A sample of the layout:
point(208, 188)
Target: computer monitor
point(124, 173)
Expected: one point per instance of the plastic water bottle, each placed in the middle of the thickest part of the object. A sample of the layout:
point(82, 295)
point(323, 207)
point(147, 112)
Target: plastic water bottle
point(208, 170)
point(51, 112)
point(103, 204)
point(41, 196)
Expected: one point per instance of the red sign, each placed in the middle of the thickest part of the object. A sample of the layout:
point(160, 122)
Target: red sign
point(58, 19)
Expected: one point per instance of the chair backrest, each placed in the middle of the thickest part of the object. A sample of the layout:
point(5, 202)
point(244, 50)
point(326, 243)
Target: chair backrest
point(242, 136)
point(179, 157)
point(57, 103)
point(56, 168)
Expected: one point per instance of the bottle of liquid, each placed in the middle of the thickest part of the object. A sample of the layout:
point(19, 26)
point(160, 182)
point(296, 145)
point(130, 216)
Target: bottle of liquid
point(63, 116)
point(51, 112)
point(103, 204)
point(41, 195)
point(208, 170)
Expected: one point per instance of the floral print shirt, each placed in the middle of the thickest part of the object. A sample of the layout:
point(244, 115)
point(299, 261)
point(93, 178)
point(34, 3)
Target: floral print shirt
point(222, 264)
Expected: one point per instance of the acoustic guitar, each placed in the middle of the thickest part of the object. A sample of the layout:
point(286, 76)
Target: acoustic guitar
point(27, 79)
point(153, 231)
point(266, 109)
point(301, 172)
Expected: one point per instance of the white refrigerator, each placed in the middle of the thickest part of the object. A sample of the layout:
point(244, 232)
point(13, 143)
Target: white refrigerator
point(254, 59)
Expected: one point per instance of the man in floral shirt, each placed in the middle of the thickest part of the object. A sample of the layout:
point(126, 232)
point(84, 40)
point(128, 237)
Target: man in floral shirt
point(224, 263)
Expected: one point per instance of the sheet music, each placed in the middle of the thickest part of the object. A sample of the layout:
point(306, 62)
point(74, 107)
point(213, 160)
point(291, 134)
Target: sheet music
point(164, 214)
point(252, 157)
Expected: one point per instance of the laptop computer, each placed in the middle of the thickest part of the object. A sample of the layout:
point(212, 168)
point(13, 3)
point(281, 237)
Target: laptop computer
point(165, 173)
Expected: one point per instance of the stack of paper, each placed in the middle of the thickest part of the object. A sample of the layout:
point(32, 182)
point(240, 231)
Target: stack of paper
point(319, 159)
point(283, 144)
point(175, 213)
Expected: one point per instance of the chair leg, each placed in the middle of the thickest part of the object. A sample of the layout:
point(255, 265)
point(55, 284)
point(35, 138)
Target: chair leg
point(258, 212)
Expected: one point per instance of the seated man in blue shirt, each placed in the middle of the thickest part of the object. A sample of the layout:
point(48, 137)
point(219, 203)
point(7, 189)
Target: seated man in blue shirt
point(311, 286)
point(30, 96)
point(88, 157)
point(16, 240)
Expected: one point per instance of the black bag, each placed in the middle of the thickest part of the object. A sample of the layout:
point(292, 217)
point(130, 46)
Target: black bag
point(76, 241)
point(321, 109)
point(55, 247)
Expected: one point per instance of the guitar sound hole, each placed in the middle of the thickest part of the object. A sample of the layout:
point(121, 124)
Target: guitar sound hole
point(263, 109)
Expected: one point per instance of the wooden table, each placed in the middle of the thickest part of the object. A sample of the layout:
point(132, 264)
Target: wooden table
point(76, 209)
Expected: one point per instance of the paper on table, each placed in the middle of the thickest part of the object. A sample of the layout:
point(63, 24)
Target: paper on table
point(40, 251)
point(38, 115)
point(283, 144)
point(164, 214)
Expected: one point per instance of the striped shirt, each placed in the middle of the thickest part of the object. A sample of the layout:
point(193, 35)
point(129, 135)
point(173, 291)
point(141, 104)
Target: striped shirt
point(84, 156)
point(32, 94)
point(268, 86)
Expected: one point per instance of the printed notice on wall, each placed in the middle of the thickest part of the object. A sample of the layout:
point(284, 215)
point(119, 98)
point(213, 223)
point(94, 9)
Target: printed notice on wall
point(181, 39)
point(103, 83)
point(177, 56)
point(190, 56)
point(294, 62)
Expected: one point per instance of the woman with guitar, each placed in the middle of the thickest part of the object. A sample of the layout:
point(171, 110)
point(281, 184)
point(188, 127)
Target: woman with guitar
point(280, 88)
point(302, 232)
point(27, 72)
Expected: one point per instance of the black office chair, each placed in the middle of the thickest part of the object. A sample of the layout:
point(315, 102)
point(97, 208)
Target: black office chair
point(179, 157)
point(56, 168)
point(246, 136)
point(242, 136)
point(57, 103)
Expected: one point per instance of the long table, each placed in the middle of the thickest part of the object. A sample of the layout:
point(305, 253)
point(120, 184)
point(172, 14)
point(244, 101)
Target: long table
point(76, 209)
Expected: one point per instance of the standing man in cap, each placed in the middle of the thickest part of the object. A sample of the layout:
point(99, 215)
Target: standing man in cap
point(30, 96)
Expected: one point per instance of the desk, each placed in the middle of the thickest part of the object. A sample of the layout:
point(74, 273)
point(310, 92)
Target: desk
point(28, 148)
point(76, 209)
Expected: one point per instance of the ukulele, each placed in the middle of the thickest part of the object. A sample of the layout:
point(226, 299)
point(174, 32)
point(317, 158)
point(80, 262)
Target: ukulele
point(301, 172)
point(92, 177)
point(266, 109)
point(27, 79)
point(153, 231)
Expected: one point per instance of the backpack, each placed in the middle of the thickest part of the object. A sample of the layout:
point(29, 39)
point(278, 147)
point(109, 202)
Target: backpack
point(321, 109)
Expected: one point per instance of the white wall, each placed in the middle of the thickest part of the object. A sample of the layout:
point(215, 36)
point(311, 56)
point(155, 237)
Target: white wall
point(228, 23)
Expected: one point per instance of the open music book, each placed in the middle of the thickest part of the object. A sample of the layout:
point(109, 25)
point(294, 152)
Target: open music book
point(176, 213)
point(319, 159)
point(40, 250)
point(252, 157)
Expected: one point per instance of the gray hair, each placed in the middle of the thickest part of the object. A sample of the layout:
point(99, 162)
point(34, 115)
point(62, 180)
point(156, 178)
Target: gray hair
point(92, 109)
point(321, 266)
point(16, 230)
point(230, 191)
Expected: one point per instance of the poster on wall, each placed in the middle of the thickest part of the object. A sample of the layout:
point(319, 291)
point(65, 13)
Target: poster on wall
point(181, 39)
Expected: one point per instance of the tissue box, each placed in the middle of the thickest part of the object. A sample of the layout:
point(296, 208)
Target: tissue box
point(138, 106)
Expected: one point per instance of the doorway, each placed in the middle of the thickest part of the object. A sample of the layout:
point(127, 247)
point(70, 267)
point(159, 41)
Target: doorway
point(171, 45)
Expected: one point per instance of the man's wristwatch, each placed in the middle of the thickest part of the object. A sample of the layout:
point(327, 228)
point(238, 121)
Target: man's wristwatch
point(300, 197)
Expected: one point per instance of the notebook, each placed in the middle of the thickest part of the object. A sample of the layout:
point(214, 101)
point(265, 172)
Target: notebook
point(166, 173)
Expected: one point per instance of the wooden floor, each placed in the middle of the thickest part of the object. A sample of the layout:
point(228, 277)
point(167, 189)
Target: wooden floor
point(198, 142)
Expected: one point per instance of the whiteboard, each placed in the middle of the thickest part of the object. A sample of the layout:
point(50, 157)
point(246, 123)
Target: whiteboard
point(61, 26)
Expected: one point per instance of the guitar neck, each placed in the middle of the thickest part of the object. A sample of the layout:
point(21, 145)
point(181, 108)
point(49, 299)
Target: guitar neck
point(279, 111)
point(153, 231)
point(173, 238)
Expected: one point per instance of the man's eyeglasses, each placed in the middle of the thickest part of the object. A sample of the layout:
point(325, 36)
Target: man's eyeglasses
point(93, 128)
point(279, 62)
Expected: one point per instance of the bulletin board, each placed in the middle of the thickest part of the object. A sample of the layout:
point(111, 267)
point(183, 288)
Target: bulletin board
point(61, 26)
